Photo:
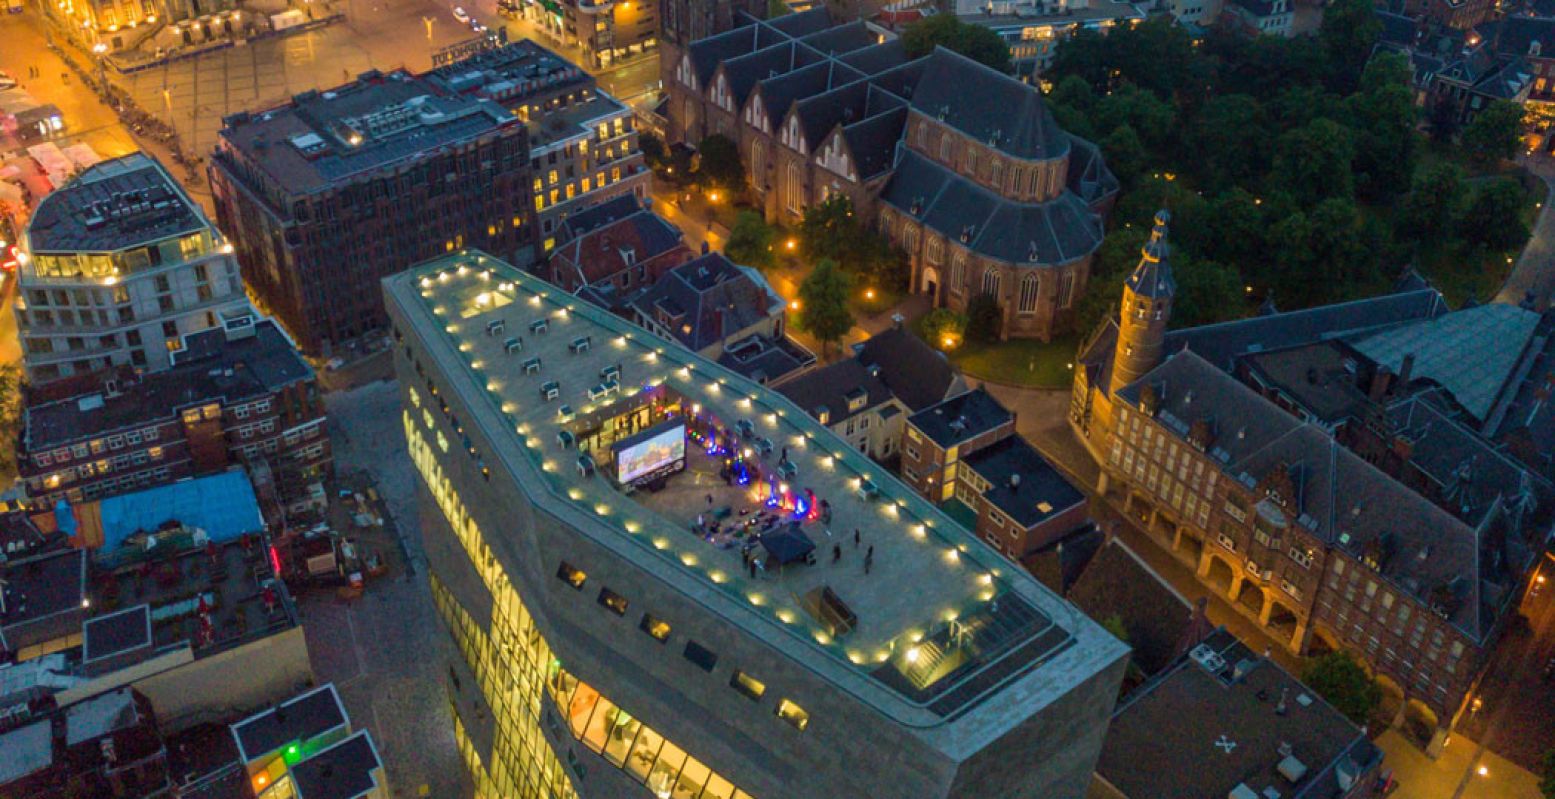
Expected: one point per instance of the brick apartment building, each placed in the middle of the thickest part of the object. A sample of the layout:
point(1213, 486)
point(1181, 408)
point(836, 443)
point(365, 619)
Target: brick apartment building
point(235, 396)
point(583, 148)
point(327, 194)
point(613, 252)
point(1353, 476)
point(962, 167)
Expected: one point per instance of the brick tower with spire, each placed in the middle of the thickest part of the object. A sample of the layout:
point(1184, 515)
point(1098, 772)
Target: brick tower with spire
point(1147, 306)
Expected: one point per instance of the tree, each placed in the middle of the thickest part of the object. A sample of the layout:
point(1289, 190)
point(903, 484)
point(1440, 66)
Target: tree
point(1493, 134)
point(1312, 163)
point(1151, 117)
point(824, 302)
point(829, 230)
point(10, 417)
point(944, 328)
point(654, 151)
point(1125, 154)
point(750, 241)
point(1494, 217)
point(1547, 774)
point(1431, 210)
point(973, 41)
point(1383, 117)
point(1237, 229)
point(1228, 141)
point(1338, 678)
point(1348, 35)
point(719, 163)
point(1207, 292)
point(984, 319)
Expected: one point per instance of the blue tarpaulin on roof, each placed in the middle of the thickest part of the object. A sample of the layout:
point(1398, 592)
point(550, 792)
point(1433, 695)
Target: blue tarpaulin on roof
point(223, 505)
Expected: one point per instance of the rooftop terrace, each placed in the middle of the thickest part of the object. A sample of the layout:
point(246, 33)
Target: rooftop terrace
point(113, 205)
point(941, 620)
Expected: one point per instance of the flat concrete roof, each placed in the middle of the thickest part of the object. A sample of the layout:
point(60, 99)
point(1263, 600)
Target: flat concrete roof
point(929, 576)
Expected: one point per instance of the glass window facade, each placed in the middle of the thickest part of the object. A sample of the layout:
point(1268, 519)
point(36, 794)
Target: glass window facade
point(516, 669)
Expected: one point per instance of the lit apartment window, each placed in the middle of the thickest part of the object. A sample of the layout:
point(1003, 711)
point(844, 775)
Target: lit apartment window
point(572, 576)
point(793, 714)
point(656, 627)
point(704, 658)
point(746, 684)
point(612, 600)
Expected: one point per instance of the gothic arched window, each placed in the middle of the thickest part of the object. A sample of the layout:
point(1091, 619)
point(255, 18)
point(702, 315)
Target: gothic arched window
point(1028, 293)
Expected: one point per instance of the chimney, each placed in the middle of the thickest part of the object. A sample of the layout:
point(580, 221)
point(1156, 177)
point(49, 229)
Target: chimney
point(1379, 384)
point(1014, 481)
point(1405, 368)
point(897, 320)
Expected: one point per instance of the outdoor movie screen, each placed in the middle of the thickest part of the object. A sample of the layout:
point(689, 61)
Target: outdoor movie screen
point(658, 449)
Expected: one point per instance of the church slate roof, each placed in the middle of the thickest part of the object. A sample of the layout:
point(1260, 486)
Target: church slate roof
point(1053, 232)
point(988, 106)
point(873, 141)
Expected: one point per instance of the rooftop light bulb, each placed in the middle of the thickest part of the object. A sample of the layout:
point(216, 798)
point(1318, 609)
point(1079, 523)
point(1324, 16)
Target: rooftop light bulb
point(912, 655)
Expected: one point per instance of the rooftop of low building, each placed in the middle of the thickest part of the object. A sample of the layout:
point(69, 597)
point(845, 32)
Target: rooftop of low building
point(346, 770)
point(961, 418)
point(1022, 484)
point(298, 721)
point(1224, 717)
point(44, 585)
point(215, 366)
point(114, 205)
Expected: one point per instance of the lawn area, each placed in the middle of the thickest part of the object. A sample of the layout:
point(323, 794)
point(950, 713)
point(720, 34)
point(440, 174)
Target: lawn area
point(1018, 362)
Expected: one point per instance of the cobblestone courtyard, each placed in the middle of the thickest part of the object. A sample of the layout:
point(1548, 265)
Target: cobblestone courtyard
point(387, 652)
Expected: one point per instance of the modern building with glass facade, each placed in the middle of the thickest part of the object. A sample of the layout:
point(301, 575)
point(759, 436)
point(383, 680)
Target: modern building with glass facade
point(668, 581)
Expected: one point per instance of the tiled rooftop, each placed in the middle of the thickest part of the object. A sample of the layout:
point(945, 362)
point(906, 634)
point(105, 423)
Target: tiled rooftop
point(211, 368)
point(1226, 718)
point(951, 574)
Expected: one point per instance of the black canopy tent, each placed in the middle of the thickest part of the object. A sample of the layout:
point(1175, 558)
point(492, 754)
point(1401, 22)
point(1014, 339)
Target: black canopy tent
point(787, 545)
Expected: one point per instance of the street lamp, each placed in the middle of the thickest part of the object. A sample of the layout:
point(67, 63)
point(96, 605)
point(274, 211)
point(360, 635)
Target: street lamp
point(101, 50)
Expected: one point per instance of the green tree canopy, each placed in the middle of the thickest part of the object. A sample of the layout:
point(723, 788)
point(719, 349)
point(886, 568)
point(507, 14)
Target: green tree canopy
point(984, 319)
point(1383, 116)
point(973, 41)
point(750, 241)
point(1312, 163)
point(824, 302)
point(1494, 217)
point(1125, 154)
point(1348, 36)
point(1338, 678)
point(1207, 292)
point(1229, 141)
point(1431, 210)
point(719, 163)
point(943, 327)
point(1494, 132)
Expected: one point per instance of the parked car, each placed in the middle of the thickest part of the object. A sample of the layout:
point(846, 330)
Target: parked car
point(6, 80)
point(461, 15)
